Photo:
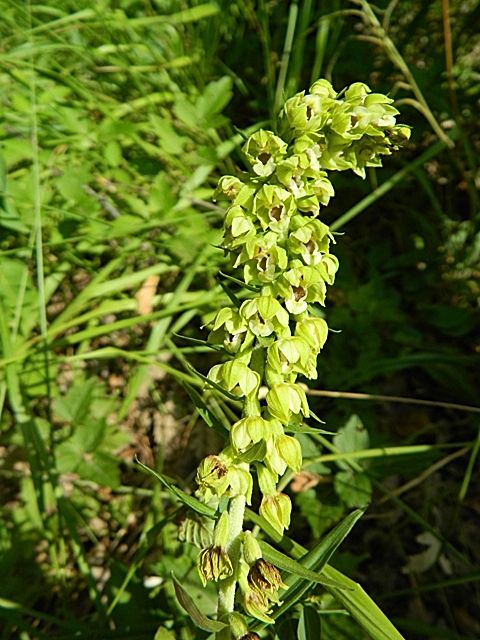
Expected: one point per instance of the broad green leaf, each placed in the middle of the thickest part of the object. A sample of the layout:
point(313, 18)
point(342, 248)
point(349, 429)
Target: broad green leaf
point(355, 489)
point(90, 434)
point(215, 97)
point(189, 501)
point(68, 456)
point(194, 612)
point(100, 467)
point(75, 404)
point(351, 437)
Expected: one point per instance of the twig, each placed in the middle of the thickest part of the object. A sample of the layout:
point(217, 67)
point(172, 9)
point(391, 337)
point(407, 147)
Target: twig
point(396, 399)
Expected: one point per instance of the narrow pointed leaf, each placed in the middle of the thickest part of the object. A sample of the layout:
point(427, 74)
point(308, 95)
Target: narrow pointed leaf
point(187, 500)
point(204, 412)
point(286, 563)
point(194, 612)
point(315, 560)
point(361, 607)
point(203, 343)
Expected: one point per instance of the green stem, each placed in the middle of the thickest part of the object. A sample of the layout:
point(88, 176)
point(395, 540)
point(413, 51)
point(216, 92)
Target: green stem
point(226, 592)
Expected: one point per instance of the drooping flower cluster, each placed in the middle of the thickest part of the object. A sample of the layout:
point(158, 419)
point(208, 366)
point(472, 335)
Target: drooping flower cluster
point(276, 240)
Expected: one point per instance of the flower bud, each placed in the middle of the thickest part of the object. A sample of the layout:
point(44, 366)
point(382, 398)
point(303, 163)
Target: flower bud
point(236, 377)
point(229, 187)
point(314, 331)
point(214, 564)
point(238, 626)
point(249, 430)
point(290, 450)
point(251, 548)
point(222, 530)
point(241, 483)
point(276, 509)
point(267, 479)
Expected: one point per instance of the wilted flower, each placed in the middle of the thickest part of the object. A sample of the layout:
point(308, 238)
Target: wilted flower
point(257, 604)
point(264, 576)
point(214, 564)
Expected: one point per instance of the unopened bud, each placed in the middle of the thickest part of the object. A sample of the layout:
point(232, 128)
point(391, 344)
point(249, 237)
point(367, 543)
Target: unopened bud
point(251, 548)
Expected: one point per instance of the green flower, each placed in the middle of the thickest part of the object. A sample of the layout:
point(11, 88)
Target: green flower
point(324, 89)
point(229, 187)
point(238, 226)
point(303, 284)
point(310, 239)
point(287, 402)
point(289, 355)
point(304, 113)
point(265, 316)
point(314, 331)
point(274, 206)
point(264, 258)
point(276, 509)
point(235, 376)
point(212, 477)
point(231, 330)
point(263, 150)
point(248, 431)
point(282, 451)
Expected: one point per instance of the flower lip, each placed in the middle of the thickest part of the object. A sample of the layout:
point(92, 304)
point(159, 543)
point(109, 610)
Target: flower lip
point(275, 213)
point(299, 293)
point(264, 157)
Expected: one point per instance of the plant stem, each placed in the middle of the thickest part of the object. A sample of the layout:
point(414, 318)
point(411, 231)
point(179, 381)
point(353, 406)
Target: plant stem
point(226, 592)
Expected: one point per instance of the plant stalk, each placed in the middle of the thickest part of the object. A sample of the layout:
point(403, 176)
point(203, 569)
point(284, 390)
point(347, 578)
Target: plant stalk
point(226, 592)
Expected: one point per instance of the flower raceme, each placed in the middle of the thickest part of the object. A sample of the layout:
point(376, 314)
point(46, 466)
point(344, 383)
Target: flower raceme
point(277, 242)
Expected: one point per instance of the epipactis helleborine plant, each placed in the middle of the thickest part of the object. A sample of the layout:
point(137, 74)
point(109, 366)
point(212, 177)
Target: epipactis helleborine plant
point(281, 248)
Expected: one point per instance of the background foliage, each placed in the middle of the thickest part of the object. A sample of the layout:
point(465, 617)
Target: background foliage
point(117, 118)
